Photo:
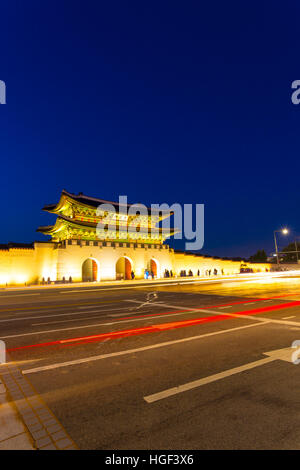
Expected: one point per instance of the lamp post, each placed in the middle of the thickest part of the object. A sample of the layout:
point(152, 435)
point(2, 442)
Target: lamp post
point(284, 231)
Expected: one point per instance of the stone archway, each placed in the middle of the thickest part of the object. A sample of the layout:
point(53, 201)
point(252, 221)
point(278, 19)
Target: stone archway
point(123, 268)
point(153, 267)
point(90, 271)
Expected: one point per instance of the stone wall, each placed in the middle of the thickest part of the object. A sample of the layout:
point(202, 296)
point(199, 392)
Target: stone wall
point(19, 266)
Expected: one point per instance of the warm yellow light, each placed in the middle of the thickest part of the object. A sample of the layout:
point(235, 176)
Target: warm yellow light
point(285, 231)
point(20, 278)
point(4, 279)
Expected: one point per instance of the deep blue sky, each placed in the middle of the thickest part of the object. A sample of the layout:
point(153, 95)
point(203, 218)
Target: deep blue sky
point(164, 101)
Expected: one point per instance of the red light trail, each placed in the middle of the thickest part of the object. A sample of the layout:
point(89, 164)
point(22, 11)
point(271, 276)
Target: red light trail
point(157, 327)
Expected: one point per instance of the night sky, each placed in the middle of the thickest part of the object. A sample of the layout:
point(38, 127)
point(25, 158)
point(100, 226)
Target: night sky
point(163, 101)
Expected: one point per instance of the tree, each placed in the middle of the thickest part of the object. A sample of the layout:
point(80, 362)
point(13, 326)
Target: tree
point(259, 257)
point(291, 257)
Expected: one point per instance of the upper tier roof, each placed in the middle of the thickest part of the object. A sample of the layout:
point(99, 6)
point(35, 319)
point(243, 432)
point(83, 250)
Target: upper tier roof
point(94, 202)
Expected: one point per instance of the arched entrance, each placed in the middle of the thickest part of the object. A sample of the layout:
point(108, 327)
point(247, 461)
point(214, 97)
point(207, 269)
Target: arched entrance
point(123, 268)
point(89, 270)
point(153, 267)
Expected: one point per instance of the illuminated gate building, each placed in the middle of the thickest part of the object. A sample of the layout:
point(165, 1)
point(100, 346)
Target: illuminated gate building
point(76, 252)
point(123, 251)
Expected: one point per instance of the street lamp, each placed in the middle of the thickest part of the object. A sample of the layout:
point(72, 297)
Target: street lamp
point(285, 232)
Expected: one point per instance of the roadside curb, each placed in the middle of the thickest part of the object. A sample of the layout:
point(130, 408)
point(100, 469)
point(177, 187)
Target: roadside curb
point(43, 427)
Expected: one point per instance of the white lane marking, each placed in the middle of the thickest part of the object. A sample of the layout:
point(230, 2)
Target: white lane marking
point(95, 317)
point(39, 309)
point(92, 325)
point(284, 354)
point(176, 307)
point(225, 306)
point(64, 321)
point(41, 316)
point(107, 309)
point(16, 296)
point(191, 309)
point(233, 315)
point(92, 306)
point(249, 303)
point(206, 380)
point(47, 316)
point(14, 313)
point(287, 318)
point(150, 296)
point(135, 312)
point(229, 314)
point(145, 348)
point(97, 309)
point(143, 286)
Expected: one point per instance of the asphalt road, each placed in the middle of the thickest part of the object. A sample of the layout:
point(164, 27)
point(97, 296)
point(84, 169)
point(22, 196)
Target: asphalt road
point(108, 362)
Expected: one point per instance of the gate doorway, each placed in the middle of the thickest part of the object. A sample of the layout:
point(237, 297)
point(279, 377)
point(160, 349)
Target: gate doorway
point(153, 267)
point(89, 270)
point(123, 268)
